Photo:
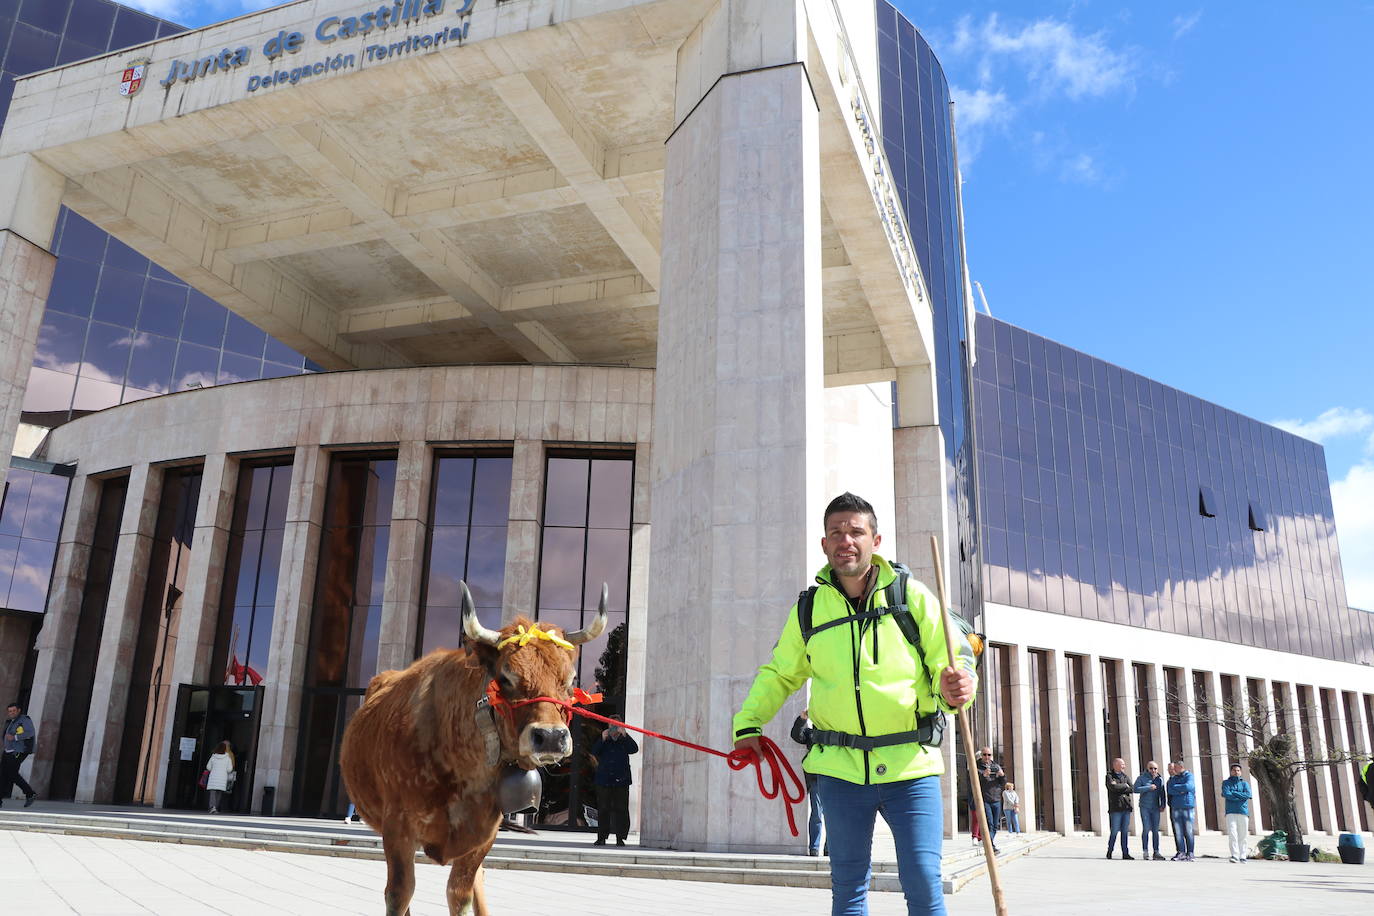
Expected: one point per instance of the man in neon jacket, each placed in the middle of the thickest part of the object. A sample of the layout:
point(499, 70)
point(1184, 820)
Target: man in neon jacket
point(871, 691)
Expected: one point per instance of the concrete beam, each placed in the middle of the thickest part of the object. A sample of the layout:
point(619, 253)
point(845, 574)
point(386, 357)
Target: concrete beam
point(548, 117)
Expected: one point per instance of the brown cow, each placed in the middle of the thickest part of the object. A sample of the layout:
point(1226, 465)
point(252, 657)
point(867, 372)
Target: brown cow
point(417, 761)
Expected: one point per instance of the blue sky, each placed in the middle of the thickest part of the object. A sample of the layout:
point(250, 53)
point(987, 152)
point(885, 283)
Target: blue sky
point(1180, 188)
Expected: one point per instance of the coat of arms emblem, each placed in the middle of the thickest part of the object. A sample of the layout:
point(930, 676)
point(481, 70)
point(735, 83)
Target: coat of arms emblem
point(132, 80)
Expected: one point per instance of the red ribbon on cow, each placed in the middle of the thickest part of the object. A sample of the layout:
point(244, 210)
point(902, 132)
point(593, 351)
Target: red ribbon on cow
point(778, 764)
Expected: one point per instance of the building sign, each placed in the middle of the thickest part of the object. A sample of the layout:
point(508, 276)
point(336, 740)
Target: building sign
point(327, 31)
point(132, 79)
point(885, 198)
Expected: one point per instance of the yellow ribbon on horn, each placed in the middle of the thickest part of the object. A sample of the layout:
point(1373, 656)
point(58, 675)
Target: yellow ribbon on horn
point(523, 637)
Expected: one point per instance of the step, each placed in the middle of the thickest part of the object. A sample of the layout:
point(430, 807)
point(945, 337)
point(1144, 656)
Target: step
point(725, 868)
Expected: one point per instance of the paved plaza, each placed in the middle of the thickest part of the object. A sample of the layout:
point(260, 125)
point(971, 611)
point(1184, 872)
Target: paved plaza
point(50, 873)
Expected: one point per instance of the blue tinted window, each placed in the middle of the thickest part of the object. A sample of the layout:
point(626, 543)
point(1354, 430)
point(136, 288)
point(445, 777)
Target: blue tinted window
point(150, 369)
point(73, 287)
point(31, 50)
point(132, 28)
point(242, 337)
point(164, 304)
point(205, 320)
point(125, 258)
point(90, 22)
point(117, 296)
point(45, 14)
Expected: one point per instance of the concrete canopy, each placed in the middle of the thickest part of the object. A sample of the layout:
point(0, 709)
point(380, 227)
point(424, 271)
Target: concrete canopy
point(478, 182)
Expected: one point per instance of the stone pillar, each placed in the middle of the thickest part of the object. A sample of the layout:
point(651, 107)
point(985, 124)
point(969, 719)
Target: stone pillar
point(1097, 744)
point(1216, 736)
point(58, 635)
point(1022, 739)
point(1347, 818)
point(285, 675)
point(200, 603)
point(636, 643)
point(1266, 711)
point(1321, 776)
point(1058, 761)
point(405, 558)
point(15, 630)
point(737, 476)
point(1130, 728)
point(1360, 744)
point(1302, 806)
point(113, 669)
point(523, 525)
point(30, 199)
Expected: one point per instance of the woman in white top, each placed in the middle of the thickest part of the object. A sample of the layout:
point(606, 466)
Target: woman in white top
point(1011, 806)
point(220, 768)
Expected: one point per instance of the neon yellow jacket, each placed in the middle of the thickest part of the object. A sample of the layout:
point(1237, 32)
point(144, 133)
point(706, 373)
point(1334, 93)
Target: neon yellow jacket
point(894, 689)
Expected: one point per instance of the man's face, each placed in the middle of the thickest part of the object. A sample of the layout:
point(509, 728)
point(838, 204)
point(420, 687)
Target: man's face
point(849, 542)
point(11, 712)
point(985, 756)
point(1235, 771)
point(1153, 768)
point(1119, 765)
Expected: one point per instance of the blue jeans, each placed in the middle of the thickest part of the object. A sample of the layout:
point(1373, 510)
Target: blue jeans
point(993, 810)
point(1121, 824)
point(1013, 822)
point(813, 826)
point(914, 812)
point(1183, 830)
point(1149, 824)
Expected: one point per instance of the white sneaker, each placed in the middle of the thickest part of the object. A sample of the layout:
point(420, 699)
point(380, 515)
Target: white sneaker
point(1234, 859)
point(214, 811)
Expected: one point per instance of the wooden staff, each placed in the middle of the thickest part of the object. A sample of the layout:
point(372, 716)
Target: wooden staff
point(966, 732)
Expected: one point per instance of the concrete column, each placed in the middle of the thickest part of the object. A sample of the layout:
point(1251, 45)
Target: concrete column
point(1158, 721)
point(200, 603)
point(1097, 762)
point(737, 476)
point(405, 558)
point(58, 634)
point(1360, 744)
point(285, 675)
point(1344, 776)
point(30, 200)
point(1057, 761)
point(1289, 701)
point(1216, 736)
point(636, 642)
point(1021, 749)
point(523, 527)
point(25, 276)
point(1266, 711)
point(1321, 776)
point(918, 459)
point(113, 669)
point(1126, 695)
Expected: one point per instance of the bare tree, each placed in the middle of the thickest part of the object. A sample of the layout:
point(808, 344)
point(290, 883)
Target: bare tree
point(1278, 743)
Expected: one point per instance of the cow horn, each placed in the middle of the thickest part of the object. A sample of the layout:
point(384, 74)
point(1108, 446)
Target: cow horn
point(587, 634)
point(471, 625)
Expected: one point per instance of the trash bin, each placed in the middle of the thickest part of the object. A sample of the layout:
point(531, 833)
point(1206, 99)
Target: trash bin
point(1351, 848)
point(269, 801)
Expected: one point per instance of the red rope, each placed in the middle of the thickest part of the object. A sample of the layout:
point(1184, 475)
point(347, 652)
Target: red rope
point(778, 764)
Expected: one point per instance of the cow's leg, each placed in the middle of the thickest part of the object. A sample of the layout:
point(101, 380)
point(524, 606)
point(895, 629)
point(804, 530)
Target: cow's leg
point(465, 885)
point(400, 874)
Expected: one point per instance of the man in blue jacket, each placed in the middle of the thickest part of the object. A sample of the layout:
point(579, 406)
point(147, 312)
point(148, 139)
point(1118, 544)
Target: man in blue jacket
point(19, 742)
point(1236, 791)
point(1149, 785)
point(1182, 799)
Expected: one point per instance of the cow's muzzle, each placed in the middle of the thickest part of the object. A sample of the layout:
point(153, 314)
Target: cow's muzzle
point(545, 744)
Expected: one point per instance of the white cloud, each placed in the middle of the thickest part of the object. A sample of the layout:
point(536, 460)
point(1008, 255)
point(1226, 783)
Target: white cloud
point(1054, 55)
point(1082, 168)
point(1338, 421)
point(187, 12)
point(1352, 498)
point(1184, 24)
point(975, 112)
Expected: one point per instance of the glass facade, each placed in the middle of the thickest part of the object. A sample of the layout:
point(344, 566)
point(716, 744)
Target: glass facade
point(159, 623)
point(918, 140)
point(469, 509)
point(585, 542)
point(31, 510)
point(117, 327)
point(346, 620)
point(252, 566)
point(1093, 505)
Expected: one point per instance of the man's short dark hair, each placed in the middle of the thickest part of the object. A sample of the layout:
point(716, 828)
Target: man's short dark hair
point(848, 502)
point(17, 705)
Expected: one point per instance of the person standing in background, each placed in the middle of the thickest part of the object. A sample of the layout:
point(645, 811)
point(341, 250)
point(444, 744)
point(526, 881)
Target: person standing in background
point(1011, 804)
point(1236, 791)
point(613, 781)
point(219, 768)
point(1149, 785)
point(20, 740)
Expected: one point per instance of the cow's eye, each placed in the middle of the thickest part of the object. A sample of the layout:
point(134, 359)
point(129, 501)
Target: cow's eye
point(507, 681)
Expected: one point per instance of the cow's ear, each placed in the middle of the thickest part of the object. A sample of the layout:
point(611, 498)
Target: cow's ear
point(487, 655)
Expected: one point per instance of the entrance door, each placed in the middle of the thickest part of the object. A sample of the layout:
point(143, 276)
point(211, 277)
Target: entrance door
point(205, 716)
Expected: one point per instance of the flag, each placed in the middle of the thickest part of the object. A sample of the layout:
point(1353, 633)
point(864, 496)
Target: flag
point(239, 672)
